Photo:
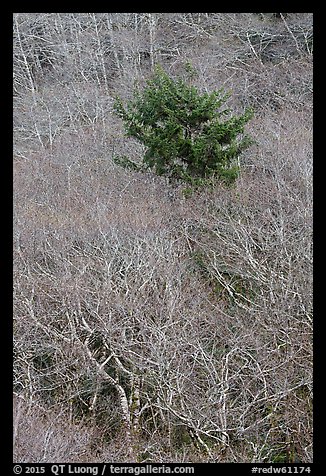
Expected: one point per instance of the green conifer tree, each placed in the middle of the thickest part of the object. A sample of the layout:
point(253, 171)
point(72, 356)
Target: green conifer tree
point(187, 135)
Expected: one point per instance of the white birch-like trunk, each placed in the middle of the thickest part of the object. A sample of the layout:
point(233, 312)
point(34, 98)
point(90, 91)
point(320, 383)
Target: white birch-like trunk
point(152, 34)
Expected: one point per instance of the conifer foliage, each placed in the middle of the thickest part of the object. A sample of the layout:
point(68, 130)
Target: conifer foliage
point(187, 135)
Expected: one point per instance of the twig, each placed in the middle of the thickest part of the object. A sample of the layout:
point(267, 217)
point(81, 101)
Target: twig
point(291, 33)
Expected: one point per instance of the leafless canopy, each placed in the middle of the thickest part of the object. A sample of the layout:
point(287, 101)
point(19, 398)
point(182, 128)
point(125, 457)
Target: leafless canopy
point(151, 327)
